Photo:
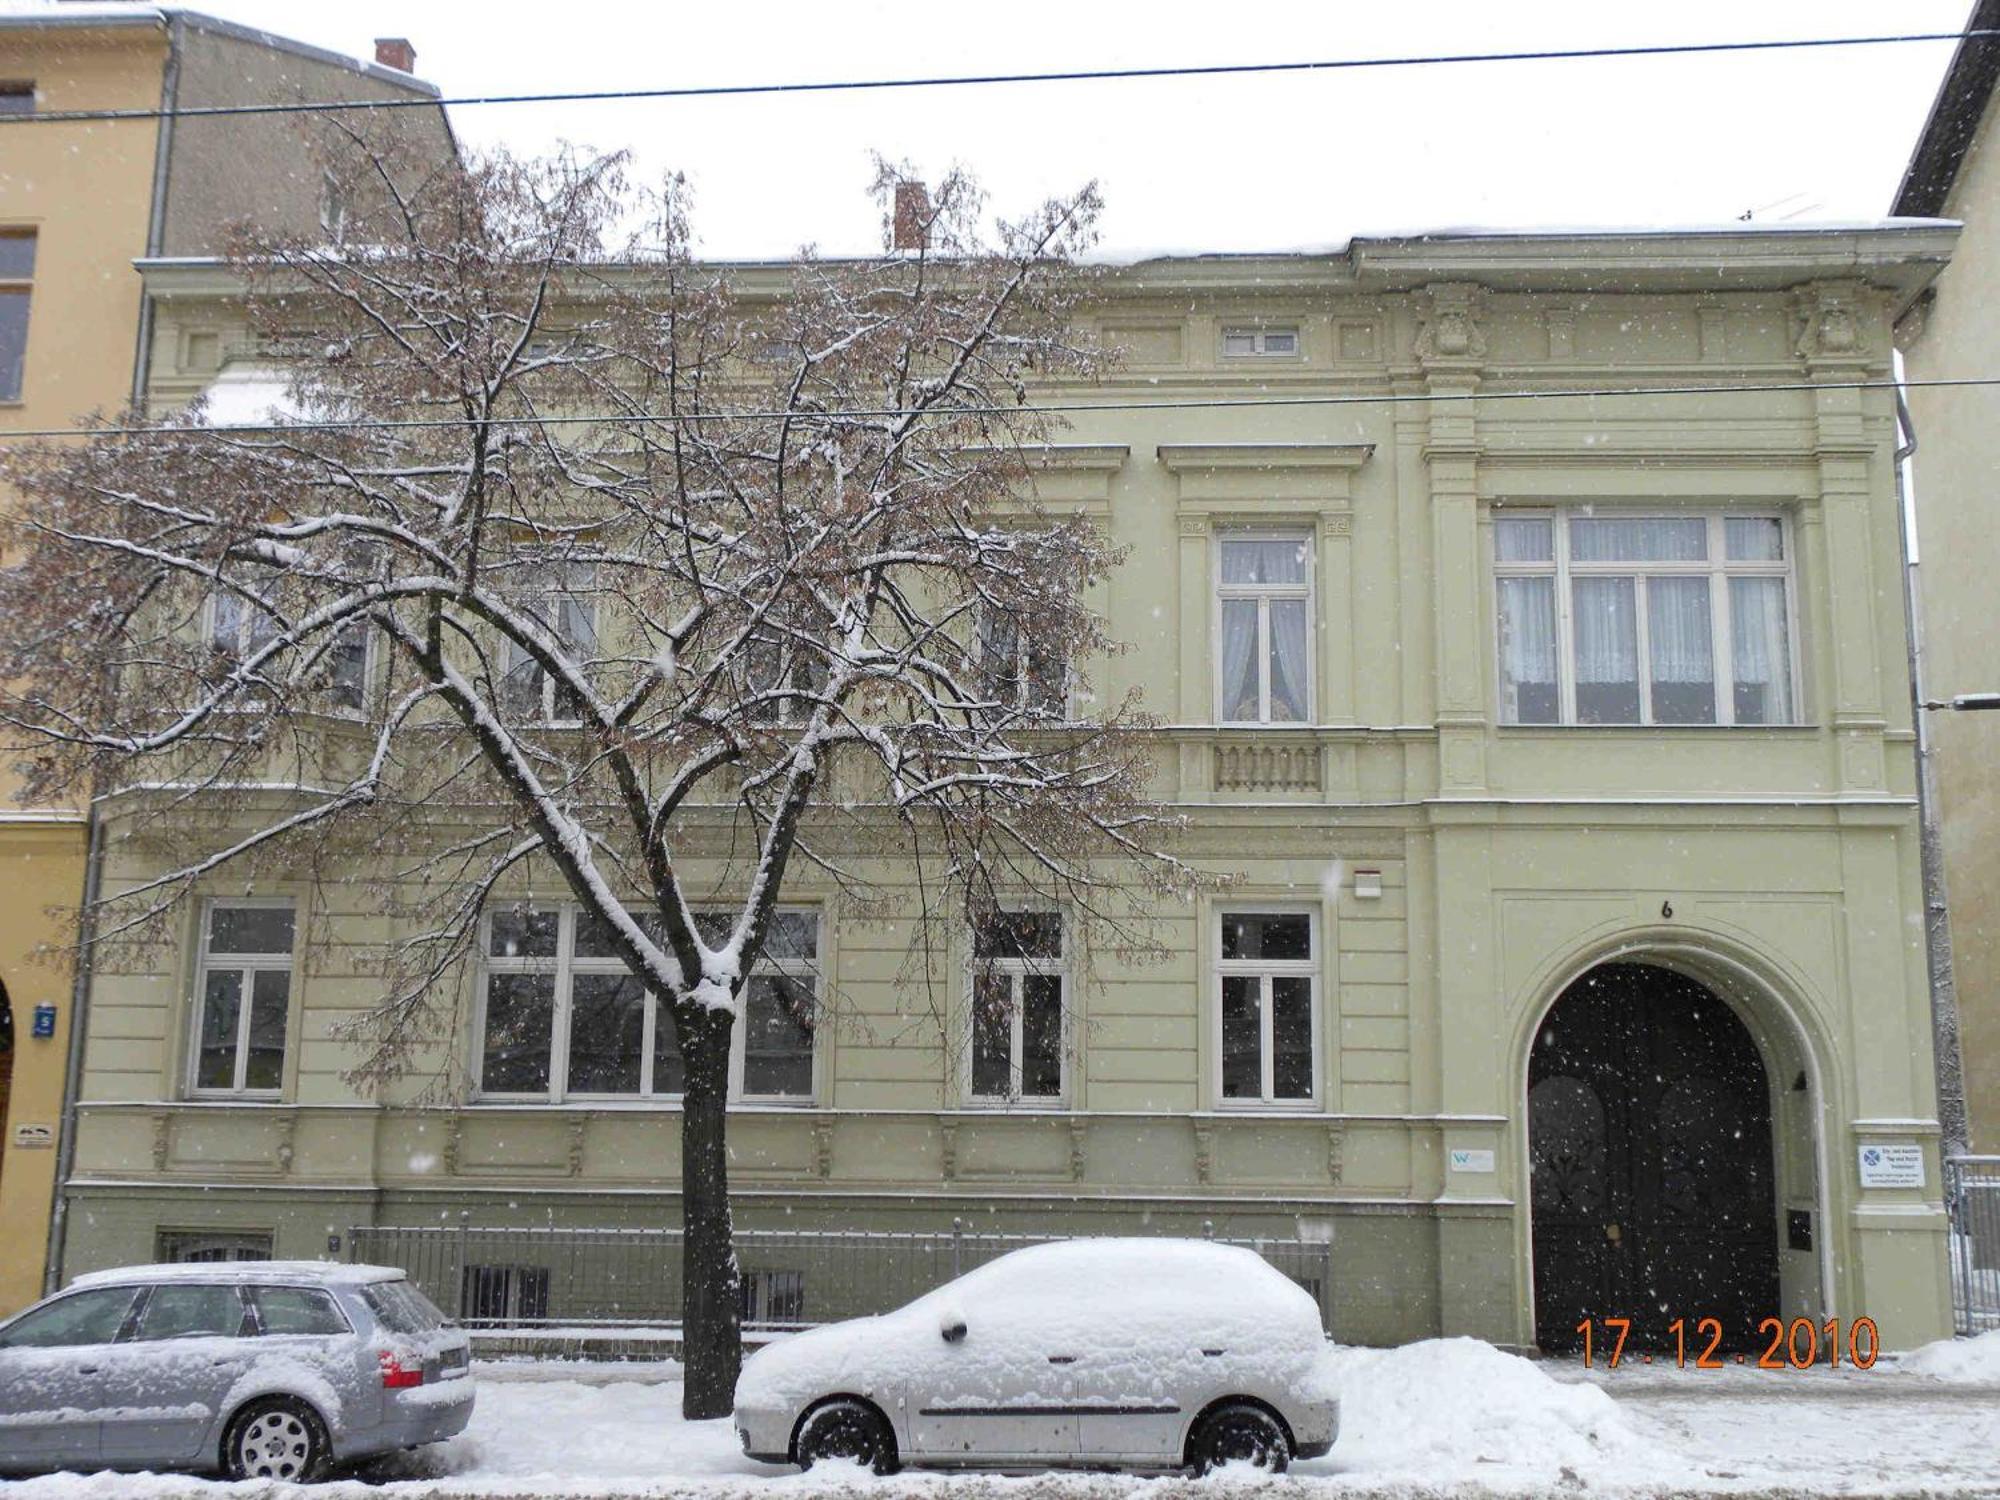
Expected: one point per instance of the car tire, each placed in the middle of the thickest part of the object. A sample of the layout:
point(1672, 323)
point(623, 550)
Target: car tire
point(1240, 1433)
point(846, 1429)
point(276, 1437)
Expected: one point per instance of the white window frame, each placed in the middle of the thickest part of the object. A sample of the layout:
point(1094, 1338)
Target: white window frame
point(1260, 336)
point(1263, 594)
point(1309, 968)
point(1014, 970)
point(1717, 568)
point(1021, 700)
point(248, 966)
point(565, 965)
point(323, 685)
point(553, 588)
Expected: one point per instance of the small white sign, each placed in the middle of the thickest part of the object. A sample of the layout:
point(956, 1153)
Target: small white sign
point(1465, 1159)
point(34, 1137)
point(1892, 1164)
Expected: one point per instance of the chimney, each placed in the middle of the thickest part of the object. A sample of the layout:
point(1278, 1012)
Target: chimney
point(911, 229)
point(396, 52)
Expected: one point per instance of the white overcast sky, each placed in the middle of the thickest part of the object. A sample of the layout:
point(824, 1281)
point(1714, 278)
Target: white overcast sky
point(1223, 164)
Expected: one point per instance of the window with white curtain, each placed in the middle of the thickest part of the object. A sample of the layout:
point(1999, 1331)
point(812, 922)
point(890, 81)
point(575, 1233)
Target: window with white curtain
point(1608, 618)
point(1263, 627)
point(561, 599)
point(562, 1017)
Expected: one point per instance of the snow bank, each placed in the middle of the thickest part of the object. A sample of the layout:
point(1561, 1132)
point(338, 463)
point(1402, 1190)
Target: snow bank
point(1444, 1406)
point(1973, 1361)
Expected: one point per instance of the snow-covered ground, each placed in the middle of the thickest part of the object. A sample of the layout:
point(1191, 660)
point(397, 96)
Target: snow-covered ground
point(1448, 1418)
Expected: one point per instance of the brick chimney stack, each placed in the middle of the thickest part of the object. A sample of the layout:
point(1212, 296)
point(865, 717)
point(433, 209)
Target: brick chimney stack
point(396, 52)
point(911, 229)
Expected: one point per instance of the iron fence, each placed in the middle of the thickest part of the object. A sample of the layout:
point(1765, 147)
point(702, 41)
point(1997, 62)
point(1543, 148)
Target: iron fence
point(591, 1279)
point(1972, 1197)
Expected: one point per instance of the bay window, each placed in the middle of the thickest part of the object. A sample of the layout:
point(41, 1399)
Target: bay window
point(561, 1017)
point(1644, 619)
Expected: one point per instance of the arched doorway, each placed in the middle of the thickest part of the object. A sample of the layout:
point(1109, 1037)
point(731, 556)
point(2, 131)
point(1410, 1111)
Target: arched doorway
point(1651, 1163)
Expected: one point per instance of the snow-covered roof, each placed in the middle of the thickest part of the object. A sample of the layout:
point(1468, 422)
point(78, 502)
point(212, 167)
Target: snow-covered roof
point(1734, 229)
point(324, 1272)
point(249, 393)
point(42, 13)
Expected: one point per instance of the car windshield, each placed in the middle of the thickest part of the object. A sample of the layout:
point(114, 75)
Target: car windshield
point(401, 1308)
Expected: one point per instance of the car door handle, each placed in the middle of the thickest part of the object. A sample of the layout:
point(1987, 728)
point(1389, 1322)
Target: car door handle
point(86, 1369)
point(1062, 1359)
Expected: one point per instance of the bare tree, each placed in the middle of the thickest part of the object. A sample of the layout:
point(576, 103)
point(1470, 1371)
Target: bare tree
point(585, 555)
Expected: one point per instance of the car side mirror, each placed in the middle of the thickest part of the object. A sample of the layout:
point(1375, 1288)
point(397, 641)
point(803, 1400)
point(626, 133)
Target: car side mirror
point(953, 1330)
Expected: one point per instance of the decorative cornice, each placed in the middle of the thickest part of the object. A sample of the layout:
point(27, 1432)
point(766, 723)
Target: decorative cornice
point(1236, 474)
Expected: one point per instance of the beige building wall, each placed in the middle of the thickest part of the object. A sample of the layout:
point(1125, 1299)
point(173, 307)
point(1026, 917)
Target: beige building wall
point(1776, 865)
point(1958, 537)
point(83, 320)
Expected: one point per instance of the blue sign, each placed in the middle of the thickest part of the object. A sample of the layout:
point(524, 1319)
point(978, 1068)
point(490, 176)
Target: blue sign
point(44, 1025)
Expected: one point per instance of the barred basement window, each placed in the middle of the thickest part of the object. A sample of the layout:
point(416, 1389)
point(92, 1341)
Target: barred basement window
point(201, 1246)
point(506, 1294)
point(771, 1298)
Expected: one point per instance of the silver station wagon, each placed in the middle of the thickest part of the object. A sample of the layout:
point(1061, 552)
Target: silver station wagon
point(259, 1369)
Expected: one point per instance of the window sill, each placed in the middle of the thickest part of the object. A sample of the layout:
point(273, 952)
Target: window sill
point(1699, 731)
point(1286, 1109)
point(1051, 1106)
point(626, 1104)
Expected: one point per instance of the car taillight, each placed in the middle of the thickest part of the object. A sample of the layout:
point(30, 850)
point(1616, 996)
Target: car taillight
point(398, 1376)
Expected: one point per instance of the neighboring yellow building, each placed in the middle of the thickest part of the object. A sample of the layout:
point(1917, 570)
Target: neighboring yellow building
point(79, 203)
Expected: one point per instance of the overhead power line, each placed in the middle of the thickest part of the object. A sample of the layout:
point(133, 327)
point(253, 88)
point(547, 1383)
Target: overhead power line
point(1053, 408)
point(969, 80)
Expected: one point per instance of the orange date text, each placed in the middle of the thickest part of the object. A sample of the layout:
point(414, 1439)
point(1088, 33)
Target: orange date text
point(1697, 1344)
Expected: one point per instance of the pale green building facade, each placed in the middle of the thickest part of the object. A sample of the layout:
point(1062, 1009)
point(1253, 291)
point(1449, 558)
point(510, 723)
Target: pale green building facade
point(1491, 696)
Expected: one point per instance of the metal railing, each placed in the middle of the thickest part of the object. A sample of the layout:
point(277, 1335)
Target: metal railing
point(1972, 1198)
point(591, 1279)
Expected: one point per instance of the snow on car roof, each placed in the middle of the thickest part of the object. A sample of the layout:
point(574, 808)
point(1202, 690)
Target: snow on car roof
point(325, 1272)
point(1131, 1256)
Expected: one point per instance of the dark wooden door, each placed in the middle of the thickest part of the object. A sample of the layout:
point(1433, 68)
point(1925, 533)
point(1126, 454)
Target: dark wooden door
point(1649, 1139)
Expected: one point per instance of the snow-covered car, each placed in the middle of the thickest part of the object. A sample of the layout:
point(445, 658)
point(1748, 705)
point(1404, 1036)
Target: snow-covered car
point(1142, 1353)
point(259, 1369)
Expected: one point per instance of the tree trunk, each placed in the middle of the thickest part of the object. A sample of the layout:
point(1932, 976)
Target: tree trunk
point(711, 1321)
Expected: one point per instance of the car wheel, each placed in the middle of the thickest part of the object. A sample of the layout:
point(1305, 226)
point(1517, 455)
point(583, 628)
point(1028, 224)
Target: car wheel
point(846, 1429)
point(276, 1437)
point(1240, 1433)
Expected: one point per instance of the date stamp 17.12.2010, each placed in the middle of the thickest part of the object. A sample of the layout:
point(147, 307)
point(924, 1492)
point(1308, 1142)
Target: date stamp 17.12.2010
point(1796, 1345)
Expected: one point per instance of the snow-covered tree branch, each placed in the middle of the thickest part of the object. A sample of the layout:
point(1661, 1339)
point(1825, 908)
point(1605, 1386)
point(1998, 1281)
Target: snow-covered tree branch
point(579, 553)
